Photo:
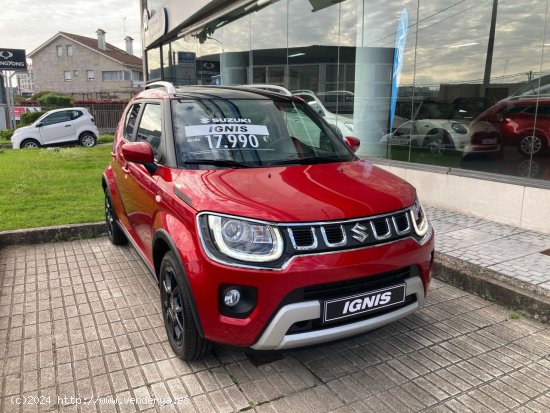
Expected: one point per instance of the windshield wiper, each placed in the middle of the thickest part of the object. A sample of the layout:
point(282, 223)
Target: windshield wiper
point(217, 162)
point(309, 161)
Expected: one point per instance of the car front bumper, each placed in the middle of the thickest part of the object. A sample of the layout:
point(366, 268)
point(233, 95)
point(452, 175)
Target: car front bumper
point(276, 337)
point(267, 325)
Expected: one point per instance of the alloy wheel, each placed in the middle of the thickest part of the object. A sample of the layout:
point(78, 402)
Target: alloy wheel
point(172, 305)
point(531, 145)
point(30, 145)
point(88, 141)
point(109, 217)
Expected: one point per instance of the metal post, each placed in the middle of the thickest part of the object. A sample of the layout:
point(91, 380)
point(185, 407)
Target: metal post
point(11, 104)
point(490, 46)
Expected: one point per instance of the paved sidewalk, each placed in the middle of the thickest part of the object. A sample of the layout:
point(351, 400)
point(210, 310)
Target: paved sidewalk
point(81, 328)
point(517, 253)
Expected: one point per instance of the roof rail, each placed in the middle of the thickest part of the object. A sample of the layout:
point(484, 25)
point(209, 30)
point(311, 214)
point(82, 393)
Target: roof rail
point(270, 88)
point(169, 86)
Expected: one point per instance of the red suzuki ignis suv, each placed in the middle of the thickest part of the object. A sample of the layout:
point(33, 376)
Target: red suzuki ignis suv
point(263, 228)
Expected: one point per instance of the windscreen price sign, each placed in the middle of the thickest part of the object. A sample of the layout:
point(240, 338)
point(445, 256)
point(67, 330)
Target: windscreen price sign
point(13, 59)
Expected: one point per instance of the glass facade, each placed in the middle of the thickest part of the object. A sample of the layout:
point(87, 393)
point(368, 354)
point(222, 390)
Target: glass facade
point(460, 84)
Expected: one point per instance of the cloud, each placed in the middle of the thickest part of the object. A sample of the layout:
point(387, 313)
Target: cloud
point(30, 23)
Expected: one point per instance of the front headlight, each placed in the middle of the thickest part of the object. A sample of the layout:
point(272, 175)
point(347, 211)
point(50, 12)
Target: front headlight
point(245, 240)
point(419, 219)
point(459, 128)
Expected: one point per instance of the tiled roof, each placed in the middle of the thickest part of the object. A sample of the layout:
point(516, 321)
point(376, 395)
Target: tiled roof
point(111, 51)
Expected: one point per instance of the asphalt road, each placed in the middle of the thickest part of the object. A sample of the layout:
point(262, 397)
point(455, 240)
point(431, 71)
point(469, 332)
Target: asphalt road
point(81, 330)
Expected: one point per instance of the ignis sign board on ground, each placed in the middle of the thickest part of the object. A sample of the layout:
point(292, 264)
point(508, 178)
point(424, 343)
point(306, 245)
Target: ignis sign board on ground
point(13, 59)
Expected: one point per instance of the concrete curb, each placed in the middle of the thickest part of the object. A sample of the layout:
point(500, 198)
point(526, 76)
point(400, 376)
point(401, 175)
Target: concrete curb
point(472, 278)
point(493, 286)
point(52, 234)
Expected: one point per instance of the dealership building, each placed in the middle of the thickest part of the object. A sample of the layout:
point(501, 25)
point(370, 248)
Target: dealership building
point(450, 95)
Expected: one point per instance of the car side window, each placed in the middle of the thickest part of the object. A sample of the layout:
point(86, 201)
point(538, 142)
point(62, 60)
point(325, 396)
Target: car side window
point(57, 117)
point(130, 123)
point(75, 114)
point(150, 126)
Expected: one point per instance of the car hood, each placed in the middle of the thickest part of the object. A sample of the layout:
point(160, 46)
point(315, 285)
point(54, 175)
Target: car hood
point(22, 129)
point(297, 193)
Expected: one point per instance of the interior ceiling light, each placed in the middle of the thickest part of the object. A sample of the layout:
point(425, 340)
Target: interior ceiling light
point(463, 45)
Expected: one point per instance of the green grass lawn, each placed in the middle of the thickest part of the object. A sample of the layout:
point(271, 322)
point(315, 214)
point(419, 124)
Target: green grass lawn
point(45, 187)
point(101, 139)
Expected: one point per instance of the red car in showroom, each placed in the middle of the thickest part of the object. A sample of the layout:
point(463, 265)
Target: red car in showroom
point(262, 227)
point(523, 123)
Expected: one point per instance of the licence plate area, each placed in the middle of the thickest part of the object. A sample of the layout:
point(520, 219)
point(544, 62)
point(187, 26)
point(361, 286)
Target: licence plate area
point(360, 304)
point(400, 141)
point(491, 141)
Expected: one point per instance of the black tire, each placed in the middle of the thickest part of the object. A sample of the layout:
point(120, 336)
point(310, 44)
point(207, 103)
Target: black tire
point(180, 325)
point(531, 145)
point(87, 139)
point(434, 145)
point(115, 234)
point(30, 144)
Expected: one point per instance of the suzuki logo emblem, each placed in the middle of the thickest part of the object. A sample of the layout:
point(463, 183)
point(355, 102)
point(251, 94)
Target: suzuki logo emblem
point(360, 232)
point(4, 54)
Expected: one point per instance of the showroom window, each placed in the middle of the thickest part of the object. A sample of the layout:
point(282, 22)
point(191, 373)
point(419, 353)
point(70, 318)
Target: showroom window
point(468, 99)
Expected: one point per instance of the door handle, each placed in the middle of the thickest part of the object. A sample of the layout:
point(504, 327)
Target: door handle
point(125, 170)
point(67, 126)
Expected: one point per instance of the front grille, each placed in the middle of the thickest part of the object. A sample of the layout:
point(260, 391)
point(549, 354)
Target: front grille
point(381, 228)
point(322, 237)
point(303, 237)
point(402, 223)
point(355, 286)
point(334, 234)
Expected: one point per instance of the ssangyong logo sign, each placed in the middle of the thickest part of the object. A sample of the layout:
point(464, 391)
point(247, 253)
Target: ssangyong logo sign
point(13, 59)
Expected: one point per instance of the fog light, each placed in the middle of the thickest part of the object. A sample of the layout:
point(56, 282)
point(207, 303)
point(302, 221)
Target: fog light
point(231, 297)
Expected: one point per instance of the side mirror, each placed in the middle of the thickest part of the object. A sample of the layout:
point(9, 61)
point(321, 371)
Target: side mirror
point(39, 124)
point(138, 152)
point(353, 143)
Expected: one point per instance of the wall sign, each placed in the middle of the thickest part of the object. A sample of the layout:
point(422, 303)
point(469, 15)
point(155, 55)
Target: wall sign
point(154, 26)
point(13, 59)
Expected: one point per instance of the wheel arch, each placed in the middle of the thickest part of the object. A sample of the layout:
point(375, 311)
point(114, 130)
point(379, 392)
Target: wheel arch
point(85, 132)
point(541, 133)
point(163, 243)
point(30, 138)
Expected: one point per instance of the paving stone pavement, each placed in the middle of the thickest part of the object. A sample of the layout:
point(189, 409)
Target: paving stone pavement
point(512, 251)
point(80, 328)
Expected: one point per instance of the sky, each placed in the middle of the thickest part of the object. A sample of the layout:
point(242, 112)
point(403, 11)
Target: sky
point(26, 24)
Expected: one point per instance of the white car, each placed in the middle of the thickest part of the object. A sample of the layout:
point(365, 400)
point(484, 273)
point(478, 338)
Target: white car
point(59, 126)
point(342, 122)
point(439, 135)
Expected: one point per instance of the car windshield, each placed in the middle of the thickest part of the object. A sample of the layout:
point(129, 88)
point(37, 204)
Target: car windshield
point(237, 133)
point(434, 110)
